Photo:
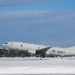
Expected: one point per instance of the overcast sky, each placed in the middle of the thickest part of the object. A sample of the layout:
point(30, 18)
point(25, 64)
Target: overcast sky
point(48, 22)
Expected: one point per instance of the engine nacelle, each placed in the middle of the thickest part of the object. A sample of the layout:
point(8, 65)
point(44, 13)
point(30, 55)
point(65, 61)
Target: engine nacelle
point(32, 51)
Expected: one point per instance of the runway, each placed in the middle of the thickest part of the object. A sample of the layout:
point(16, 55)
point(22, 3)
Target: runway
point(32, 65)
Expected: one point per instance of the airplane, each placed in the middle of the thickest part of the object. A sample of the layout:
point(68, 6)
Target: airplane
point(61, 52)
point(33, 49)
point(39, 50)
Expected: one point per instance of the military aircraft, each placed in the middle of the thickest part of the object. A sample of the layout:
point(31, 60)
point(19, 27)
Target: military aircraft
point(39, 50)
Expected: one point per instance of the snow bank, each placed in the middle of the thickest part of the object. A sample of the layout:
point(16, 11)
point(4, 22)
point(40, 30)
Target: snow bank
point(37, 66)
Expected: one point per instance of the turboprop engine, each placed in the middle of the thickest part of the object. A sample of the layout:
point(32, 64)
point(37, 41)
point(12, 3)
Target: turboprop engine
point(32, 51)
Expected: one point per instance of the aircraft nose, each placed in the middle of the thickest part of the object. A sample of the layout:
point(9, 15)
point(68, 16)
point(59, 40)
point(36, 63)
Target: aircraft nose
point(2, 45)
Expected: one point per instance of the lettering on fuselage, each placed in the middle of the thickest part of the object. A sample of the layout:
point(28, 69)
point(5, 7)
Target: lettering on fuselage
point(60, 51)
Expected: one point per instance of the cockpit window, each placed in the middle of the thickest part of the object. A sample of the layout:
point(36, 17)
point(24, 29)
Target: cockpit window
point(6, 43)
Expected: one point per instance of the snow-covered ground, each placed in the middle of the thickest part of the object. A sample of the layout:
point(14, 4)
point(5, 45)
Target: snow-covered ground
point(34, 65)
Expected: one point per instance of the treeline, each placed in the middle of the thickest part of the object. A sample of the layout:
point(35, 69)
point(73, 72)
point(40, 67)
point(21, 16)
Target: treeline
point(13, 53)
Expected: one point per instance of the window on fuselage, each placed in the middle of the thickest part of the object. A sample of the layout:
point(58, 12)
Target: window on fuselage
point(21, 45)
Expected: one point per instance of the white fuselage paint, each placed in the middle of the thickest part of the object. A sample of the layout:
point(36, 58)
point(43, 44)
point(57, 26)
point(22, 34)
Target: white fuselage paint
point(56, 51)
point(23, 46)
point(31, 48)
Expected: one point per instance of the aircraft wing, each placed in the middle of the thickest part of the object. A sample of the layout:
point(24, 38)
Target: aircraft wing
point(41, 52)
